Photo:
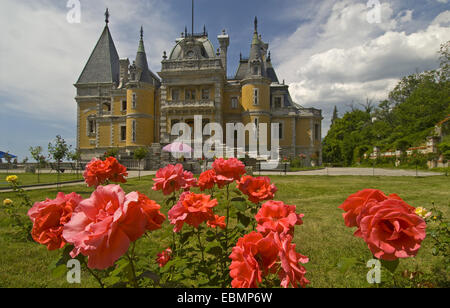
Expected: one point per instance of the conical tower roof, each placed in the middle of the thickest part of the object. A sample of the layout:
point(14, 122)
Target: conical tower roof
point(103, 64)
point(141, 61)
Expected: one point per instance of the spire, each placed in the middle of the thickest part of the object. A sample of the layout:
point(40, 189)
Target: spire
point(103, 64)
point(141, 60)
point(141, 42)
point(107, 16)
point(256, 24)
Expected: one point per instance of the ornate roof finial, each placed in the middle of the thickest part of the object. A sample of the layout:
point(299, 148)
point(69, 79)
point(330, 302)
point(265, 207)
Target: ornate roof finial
point(185, 31)
point(204, 29)
point(142, 32)
point(240, 56)
point(107, 16)
point(269, 56)
point(256, 24)
point(164, 55)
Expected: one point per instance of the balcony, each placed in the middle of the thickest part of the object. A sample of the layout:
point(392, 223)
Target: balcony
point(202, 104)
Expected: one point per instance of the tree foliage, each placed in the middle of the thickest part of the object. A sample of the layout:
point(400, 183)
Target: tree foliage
point(405, 119)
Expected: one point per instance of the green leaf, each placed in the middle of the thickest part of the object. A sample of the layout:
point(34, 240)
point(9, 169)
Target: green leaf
point(240, 206)
point(214, 249)
point(238, 199)
point(243, 219)
point(390, 265)
point(345, 263)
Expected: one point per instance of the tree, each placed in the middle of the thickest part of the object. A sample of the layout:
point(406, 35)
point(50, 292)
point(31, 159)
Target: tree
point(8, 159)
point(58, 151)
point(36, 154)
point(75, 156)
point(140, 154)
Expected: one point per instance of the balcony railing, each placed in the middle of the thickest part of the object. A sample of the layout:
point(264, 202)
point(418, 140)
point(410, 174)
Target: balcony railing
point(188, 104)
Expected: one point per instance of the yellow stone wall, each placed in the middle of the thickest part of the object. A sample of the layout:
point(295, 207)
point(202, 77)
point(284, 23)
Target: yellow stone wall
point(145, 99)
point(264, 97)
point(84, 139)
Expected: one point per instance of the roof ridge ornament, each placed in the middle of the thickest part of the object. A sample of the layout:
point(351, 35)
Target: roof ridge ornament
point(142, 32)
point(256, 24)
point(107, 16)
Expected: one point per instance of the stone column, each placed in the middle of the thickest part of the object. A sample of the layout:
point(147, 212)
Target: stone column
point(164, 139)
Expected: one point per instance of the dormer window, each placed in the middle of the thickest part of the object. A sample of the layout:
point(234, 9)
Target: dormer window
point(278, 102)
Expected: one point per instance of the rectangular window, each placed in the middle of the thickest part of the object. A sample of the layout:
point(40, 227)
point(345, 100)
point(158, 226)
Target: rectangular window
point(124, 106)
point(189, 94)
point(133, 132)
point(134, 101)
point(123, 133)
point(256, 97)
point(91, 126)
point(277, 102)
point(205, 94)
point(234, 103)
point(316, 132)
point(256, 127)
point(280, 131)
point(175, 95)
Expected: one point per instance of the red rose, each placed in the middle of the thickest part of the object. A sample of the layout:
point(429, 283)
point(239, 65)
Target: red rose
point(164, 257)
point(117, 173)
point(275, 216)
point(217, 222)
point(257, 189)
point(192, 209)
point(189, 181)
point(228, 170)
point(207, 180)
point(173, 178)
point(391, 229)
point(98, 172)
point(251, 258)
point(354, 203)
point(95, 173)
point(151, 211)
point(291, 272)
point(49, 218)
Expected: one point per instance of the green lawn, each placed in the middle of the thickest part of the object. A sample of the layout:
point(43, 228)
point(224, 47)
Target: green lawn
point(323, 237)
point(44, 178)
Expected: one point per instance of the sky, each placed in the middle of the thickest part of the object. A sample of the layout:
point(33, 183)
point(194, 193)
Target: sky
point(331, 53)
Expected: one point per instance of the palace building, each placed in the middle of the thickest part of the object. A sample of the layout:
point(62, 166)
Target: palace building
point(124, 105)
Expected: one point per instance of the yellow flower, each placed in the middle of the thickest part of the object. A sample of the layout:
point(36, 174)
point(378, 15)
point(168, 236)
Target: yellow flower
point(7, 202)
point(12, 178)
point(422, 212)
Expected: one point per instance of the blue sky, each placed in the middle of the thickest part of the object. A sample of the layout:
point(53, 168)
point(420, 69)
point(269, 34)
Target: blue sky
point(326, 51)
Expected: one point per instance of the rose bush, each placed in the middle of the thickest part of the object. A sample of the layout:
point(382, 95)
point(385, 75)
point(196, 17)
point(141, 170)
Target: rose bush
point(250, 246)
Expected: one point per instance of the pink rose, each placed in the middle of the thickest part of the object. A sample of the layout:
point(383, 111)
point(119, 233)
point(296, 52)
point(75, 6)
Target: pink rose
point(103, 226)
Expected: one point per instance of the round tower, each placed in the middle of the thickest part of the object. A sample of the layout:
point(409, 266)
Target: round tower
point(256, 86)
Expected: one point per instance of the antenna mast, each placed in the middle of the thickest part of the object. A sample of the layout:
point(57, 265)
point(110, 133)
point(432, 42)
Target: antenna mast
point(192, 18)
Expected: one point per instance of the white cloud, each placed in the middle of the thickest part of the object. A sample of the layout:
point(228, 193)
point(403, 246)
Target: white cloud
point(42, 55)
point(339, 57)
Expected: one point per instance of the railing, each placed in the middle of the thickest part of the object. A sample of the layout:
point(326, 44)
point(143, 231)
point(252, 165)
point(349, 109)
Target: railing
point(188, 104)
point(192, 64)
